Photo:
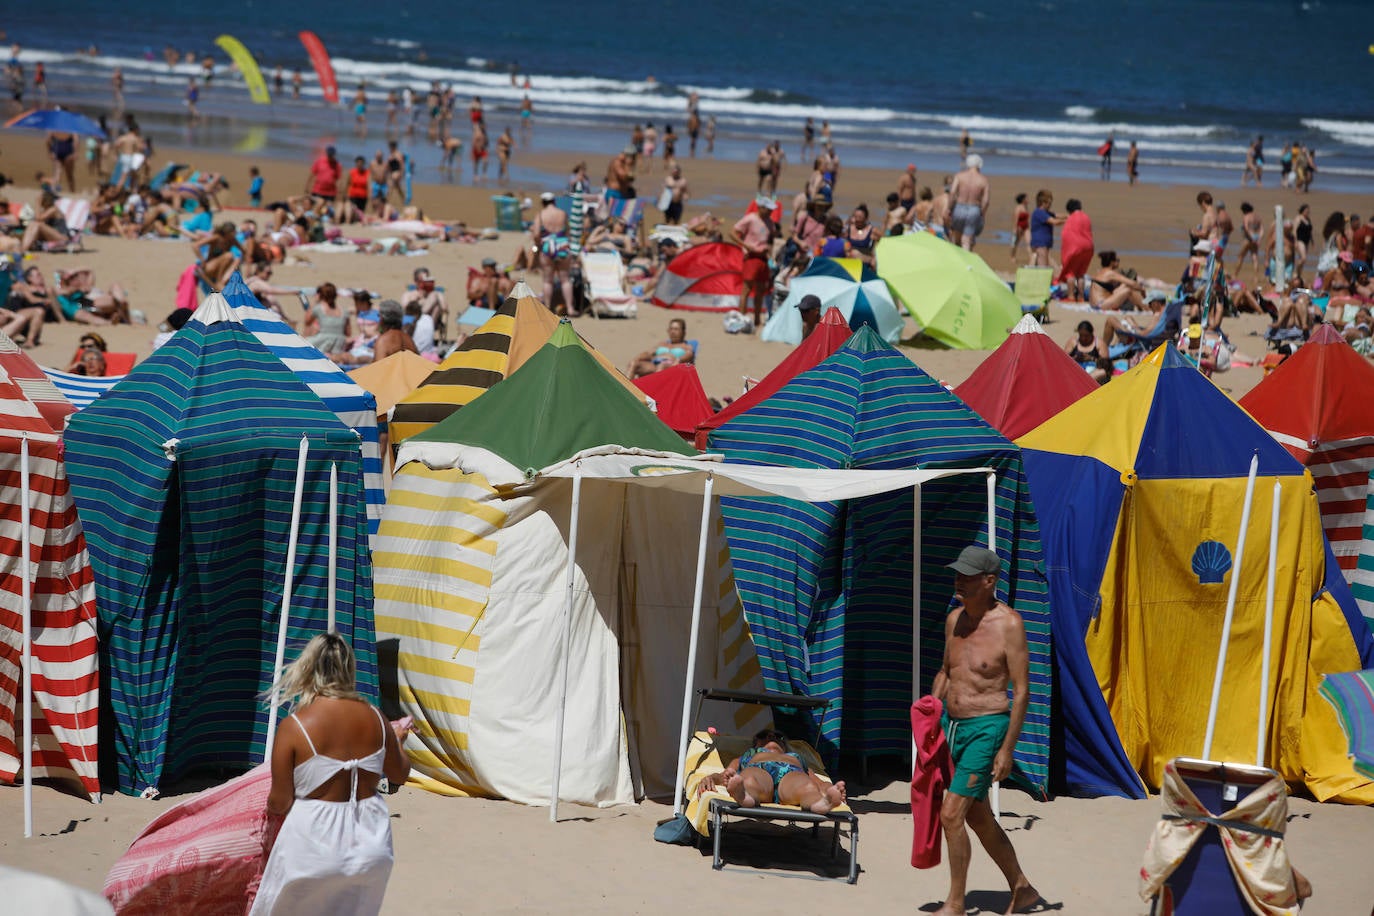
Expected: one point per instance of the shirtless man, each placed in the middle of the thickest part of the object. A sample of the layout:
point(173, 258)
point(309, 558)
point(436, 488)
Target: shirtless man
point(132, 156)
point(504, 144)
point(985, 648)
point(1207, 228)
point(906, 188)
point(765, 168)
point(432, 300)
point(618, 176)
point(676, 185)
point(550, 235)
point(969, 195)
point(939, 209)
point(378, 183)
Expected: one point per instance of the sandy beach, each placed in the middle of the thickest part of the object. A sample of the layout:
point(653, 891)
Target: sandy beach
point(483, 856)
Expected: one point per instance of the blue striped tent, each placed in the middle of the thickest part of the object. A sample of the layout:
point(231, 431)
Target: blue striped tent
point(356, 407)
point(827, 588)
point(183, 475)
point(81, 390)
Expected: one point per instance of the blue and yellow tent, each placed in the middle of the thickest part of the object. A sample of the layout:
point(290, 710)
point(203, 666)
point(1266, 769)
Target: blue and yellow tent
point(184, 477)
point(827, 588)
point(1139, 488)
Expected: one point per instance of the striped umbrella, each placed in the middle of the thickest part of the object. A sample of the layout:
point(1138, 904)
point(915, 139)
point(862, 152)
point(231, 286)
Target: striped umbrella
point(184, 475)
point(843, 283)
point(1352, 693)
point(352, 404)
point(827, 589)
point(81, 391)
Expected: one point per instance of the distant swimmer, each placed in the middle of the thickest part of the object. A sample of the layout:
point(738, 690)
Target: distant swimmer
point(965, 143)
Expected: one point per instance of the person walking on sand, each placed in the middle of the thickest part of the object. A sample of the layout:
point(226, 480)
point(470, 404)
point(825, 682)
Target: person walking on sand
point(808, 145)
point(504, 144)
point(906, 189)
point(117, 84)
point(970, 194)
point(192, 96)
point(693, 131)
point(1133, 163)
point(985, 649)
point(1105, 151)
point(1254, 163)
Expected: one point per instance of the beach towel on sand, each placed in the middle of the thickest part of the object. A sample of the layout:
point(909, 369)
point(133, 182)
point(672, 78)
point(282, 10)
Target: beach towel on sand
point(204, 855)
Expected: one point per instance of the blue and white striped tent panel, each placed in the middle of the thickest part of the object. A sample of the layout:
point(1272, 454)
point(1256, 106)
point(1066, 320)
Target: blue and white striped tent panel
point(81, 390)
point(353, 405)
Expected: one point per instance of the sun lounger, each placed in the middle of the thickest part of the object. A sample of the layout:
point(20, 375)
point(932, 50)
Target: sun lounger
point(1167, 326)
point(604, 275)
point(710, 812)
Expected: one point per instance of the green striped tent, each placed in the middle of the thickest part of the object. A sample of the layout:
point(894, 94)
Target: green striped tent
point(184, 475)
point(827, 588)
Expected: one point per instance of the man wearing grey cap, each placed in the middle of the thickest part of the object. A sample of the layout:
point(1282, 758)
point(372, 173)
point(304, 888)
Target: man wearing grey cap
point(810, 309)
point(985, 648)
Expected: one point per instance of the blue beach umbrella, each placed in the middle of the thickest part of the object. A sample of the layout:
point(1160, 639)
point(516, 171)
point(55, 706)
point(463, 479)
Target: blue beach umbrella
point(845, 283)
point(56, 119)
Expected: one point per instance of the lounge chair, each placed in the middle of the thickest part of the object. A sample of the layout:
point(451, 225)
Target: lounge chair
point(1167, 326)
point(1033, 290)
point(1248, 802)
point(710, 812)
point(603, 274)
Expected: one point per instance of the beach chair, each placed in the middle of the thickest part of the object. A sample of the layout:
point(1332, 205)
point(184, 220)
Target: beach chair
point(166, 174)
point(508, 217)
point(1248, 802)
point(1032, 290)
point(711, 812)
point(603, 274)
point(1167, 326)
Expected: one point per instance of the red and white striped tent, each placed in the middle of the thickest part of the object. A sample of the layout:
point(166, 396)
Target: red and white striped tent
point(704, 278)
point(1317, 404)
point(62, 605)
point(35, 384)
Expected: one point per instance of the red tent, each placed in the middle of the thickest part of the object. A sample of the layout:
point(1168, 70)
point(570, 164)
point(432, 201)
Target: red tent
point(1025, 381)
point(1317, 405)
point(829, 336)
point(705, 278)
point(35, 384)
point(679, 398)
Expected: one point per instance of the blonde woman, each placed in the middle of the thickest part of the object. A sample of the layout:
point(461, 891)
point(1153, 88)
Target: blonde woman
point(333, 854)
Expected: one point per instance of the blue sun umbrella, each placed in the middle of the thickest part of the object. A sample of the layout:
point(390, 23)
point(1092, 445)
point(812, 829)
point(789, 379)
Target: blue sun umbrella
point(845, 283)
point(56, 119)
point(1352, 693)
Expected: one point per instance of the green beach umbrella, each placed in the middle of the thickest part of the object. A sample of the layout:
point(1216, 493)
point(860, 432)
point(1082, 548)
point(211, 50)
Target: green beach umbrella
point(952, 293)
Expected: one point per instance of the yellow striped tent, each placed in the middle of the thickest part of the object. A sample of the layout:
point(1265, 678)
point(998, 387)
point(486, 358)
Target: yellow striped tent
point(471, 575)
point(508, 339)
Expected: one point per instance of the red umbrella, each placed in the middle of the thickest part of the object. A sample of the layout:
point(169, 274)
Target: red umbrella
point(678, 396)
point(829, 336)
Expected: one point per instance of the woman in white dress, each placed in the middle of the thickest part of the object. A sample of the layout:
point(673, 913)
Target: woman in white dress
point(333, 854)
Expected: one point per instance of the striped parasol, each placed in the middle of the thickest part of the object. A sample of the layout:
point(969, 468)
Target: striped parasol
point(184, 475)
point(1352, 693)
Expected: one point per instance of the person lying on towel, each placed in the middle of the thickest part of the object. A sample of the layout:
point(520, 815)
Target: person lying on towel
point(771, 772)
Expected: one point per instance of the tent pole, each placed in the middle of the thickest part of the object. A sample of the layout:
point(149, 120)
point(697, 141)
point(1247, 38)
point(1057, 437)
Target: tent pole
point(286, 593)
point(992, 511)
point(567, 642)
point(333, 538)
point(1230, 608)
point(692, 642)
point(26, 592)
point(1280, 277)
point(1268, 627)
point(915, 606)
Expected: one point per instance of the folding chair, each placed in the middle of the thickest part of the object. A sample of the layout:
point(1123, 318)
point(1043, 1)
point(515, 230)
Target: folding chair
point(1169, 323)
point(603, 272)
point(1032, 290)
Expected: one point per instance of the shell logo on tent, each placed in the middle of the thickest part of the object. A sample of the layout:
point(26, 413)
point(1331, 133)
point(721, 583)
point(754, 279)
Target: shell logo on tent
point(1211, 560)
point(657, 470)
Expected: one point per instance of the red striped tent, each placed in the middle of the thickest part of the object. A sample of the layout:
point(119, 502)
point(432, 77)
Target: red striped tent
point(35, 384)
point(1317, 405)
point(704, 278)
point(65, 686)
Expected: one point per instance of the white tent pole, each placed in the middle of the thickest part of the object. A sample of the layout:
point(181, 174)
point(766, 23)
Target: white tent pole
point(286, 592)
point(992, 511)
point(1280, 277)
point(1268, 627)
point(1230, 609)
point(693, 641)
point(567, 642)
point(333, 539)
point(26, 597)
point(915, 606)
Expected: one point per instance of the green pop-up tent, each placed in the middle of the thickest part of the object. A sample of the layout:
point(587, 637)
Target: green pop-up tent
point(184, 476)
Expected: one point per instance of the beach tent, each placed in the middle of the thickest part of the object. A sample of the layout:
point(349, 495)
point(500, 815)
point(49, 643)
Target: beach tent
point(1025, 381)
point(473, 579)
point(1140, 487)
point(35, 384)
point(60, 602)
point(829, 335)
point(495, 350)
point(185, 475)
point(827, 588)
point(80, 391)
point(953, 294)
point(679, 399)
point(1317, 405)
point(392, 378)
point(844, 283)
point(704, 278)
point(353, 405)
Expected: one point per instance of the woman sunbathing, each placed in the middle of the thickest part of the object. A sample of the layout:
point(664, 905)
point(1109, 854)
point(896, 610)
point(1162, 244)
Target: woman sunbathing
point(771, 771)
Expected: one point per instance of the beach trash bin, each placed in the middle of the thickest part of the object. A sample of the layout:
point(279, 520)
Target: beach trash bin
point(507, 213)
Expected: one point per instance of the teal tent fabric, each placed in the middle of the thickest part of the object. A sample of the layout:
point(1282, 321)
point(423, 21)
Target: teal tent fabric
point(184, 476)
point(827, 588)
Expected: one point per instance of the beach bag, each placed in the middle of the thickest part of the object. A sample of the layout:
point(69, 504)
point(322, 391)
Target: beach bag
point(677, 831)
point(1330, 256)
point(735, 322)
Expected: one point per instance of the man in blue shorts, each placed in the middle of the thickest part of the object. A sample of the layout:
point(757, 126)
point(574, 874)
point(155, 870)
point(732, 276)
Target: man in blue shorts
point(985, 649)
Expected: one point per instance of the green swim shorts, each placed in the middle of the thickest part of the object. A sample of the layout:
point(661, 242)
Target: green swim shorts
point(973, 745)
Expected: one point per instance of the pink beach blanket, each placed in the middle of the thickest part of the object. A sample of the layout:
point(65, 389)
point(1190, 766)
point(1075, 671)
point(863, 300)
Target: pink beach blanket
point(204, 855)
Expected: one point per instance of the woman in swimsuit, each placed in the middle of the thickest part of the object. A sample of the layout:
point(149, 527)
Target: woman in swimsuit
point(1111, 290)
point(1302, 236)
point(1020, 232)
point(771, 772)
point(1085, 349)
point(676, 350)
point(860, 236)
point(62, 148)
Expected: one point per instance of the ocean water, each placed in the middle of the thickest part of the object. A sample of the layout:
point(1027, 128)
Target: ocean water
point(1038, 84)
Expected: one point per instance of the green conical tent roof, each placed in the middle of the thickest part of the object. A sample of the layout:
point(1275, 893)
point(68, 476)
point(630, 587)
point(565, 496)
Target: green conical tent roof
point(558, 404)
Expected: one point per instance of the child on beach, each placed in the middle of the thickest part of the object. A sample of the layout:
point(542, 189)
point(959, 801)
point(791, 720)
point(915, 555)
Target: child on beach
point(255, 187)
point(1020, 229)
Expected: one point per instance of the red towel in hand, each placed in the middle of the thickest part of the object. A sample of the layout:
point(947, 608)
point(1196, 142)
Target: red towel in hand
point(930, 774)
